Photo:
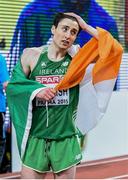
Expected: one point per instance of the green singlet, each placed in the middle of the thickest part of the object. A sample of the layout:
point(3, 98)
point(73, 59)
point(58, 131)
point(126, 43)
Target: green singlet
point(53, 143)
point(62, 109)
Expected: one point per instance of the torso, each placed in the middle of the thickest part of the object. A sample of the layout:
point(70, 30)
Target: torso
point(62, 109)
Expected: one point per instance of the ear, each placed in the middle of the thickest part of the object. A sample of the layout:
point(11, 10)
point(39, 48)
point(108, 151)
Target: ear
point(53, 29)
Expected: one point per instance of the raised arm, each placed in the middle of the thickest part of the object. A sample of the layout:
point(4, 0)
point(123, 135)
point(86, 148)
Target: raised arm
point(86, 27)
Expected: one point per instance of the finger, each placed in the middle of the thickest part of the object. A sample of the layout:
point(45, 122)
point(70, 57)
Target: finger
point(51, 92)
point(48, 94)
point(44, 95)
point(72, 14)
point(54, 91)
point(69, 13)
point(46, 98)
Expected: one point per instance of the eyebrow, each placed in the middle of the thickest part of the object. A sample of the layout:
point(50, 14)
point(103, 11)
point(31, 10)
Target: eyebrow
point(69, 27)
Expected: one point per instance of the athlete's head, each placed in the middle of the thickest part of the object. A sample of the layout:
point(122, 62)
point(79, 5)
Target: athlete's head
point(60, 16)
point(65, 30)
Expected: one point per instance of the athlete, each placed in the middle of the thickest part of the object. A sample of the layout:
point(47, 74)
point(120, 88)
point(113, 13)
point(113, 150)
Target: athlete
point(48, 137)
point(53, 140)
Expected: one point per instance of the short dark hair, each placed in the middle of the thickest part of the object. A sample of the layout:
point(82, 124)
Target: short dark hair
point(60, 16)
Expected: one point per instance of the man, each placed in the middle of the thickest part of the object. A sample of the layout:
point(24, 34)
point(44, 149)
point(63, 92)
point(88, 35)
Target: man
point(55, 147)
point(49, 82)
point(30, 30)
point(4, 77)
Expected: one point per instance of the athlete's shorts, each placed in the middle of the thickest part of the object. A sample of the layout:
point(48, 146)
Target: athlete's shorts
point(50, 155)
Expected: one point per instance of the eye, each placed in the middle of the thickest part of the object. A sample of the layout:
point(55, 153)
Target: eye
point(73, 33)
point(65, 28)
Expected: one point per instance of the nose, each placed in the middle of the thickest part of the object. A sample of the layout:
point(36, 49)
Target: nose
point(67, 34)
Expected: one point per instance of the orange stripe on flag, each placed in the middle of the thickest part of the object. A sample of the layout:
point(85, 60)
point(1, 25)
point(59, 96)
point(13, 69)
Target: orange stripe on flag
point(108, 53)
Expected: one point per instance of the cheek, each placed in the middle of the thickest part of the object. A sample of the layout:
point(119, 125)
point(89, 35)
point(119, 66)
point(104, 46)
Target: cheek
point(58, 35)
point(73, 39)
point(57, 38)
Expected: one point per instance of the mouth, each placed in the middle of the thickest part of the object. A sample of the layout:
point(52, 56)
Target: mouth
point(65, 43)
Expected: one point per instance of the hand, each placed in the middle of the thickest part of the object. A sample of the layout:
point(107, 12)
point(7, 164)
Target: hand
point(84, 26)
point(46, 94)
point(81, 22)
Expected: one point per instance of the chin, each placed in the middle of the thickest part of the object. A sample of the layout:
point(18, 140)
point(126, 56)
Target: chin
point(64, 47)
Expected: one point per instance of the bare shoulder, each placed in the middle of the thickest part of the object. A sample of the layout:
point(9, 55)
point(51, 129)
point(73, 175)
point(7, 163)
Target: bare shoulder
point(30, 52)
point(30, 57)
point(34, 51)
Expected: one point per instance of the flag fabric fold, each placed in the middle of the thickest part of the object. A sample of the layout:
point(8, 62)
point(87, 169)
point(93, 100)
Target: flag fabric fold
point(96, 85)
point(98, 79)
point(20, 93)
point(106, 50)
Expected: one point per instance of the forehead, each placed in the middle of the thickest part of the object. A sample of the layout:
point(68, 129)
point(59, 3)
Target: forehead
point(70, 23)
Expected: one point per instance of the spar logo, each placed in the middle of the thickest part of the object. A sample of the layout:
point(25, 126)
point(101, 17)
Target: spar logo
point(48, 79)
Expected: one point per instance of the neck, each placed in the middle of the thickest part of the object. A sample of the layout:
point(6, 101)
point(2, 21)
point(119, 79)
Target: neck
point(55, 53)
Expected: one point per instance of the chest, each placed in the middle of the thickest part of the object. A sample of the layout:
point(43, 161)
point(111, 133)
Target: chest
point(48, 72)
